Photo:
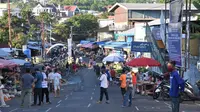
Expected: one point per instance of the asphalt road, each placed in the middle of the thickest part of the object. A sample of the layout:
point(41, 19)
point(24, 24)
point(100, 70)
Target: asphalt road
point(76, 99)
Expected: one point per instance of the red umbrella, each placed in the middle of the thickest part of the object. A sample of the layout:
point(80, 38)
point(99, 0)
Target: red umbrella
point(143, 62)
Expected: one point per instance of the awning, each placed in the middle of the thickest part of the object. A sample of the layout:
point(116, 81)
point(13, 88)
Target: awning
point(3, 53)
point(19, 61)
point(89, 45)
point(127, 33)
point(84, 42)
point(117, 45)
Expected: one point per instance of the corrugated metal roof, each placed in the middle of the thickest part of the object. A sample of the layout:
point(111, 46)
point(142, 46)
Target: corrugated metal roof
point(144, 6)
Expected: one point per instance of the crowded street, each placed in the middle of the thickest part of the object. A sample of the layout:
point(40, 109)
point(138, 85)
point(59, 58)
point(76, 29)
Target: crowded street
point(74, 99)
point(100, 56)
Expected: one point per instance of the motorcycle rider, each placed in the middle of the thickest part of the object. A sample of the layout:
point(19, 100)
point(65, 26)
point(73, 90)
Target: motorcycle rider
point(175, 82)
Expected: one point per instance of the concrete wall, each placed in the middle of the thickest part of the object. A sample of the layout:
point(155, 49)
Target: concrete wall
point(121, 16)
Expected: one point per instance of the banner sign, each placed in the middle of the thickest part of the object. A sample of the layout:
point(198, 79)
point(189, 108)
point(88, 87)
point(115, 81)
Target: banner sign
point(175, 11)
point(174, 46)
point(141, 46)
point(156, 33)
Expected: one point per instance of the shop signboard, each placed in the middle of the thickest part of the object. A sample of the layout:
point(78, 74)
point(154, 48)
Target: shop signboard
point(141, 46)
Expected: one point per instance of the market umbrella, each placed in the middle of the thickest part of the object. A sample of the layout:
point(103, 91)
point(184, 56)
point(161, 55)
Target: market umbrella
point(7, 63)
point(143, 62)
point(113, 58)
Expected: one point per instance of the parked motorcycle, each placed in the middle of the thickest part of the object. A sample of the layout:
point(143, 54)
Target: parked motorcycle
point(162, 90)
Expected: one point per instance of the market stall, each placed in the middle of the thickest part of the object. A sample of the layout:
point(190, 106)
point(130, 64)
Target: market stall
point(9, 80)
point(145, 85)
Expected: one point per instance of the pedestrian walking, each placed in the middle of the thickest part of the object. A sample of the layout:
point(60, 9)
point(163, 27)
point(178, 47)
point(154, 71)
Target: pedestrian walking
point(113, 74)
point(38, 87)
point(123, 83)
point(50, 79)
point(134, 81)
point(103, 87)
point(175, 82)
point(56, 82)
point(129, 89)
point(27, 82)
point(45, 90)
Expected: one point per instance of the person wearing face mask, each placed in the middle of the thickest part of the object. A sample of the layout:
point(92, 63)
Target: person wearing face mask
point(175, 82)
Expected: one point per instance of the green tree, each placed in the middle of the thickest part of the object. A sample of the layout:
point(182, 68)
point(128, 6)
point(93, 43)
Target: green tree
point(86, 23)
point(45, 17)
point(104, 15)
point(61, 30)
point(17, 30)
point(94, 7)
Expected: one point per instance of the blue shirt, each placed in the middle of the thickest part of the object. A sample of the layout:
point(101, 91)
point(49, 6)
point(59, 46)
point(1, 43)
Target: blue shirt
point(39, 79)
point(175, 82)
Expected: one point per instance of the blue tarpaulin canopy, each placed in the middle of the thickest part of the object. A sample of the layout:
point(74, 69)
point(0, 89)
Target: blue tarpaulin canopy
point(128, 33)
point(84, 42)
point(117, 44)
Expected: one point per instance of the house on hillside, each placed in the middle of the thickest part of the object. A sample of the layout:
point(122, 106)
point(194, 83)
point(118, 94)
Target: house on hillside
point(127, 14)
point(52, 9)
point(71, 10)
point(14, 10)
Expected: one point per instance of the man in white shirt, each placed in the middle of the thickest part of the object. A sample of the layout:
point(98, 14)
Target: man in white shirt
point(50, 79)
point(103, 87)
point(45, 87)
point(56, 82)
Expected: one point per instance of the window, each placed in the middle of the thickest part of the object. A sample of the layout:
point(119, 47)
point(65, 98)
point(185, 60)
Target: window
point(137, 14)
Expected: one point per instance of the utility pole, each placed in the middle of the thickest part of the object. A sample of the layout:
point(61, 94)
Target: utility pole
point(43, 43)
point(9, 25)
point(50, 33)
point(188, 44)
point(71, 32)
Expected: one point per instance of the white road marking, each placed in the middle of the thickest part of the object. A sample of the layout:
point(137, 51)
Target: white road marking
point(170, 107)
point(197, 104)
point(167, 104)
point(66, 95)
point(156, 100)
point(57, 105)
point(71, 93)
point(91, 98)
point(66, 98)
point(94, 89)
point(92, 92)
point(60, 101)
point(13, 110)
point(137, 108)
point(89, 105)
point(48, 110)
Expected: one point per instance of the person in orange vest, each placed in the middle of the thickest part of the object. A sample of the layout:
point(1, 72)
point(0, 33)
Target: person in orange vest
point(134, 81)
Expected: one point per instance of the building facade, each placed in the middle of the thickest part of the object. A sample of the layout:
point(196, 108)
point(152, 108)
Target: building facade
point(127, 14)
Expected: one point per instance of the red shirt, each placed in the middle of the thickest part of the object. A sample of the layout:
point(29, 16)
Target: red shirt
point(112, 72)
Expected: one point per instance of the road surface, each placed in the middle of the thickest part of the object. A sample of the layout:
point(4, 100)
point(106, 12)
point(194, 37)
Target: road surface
point(75, 99)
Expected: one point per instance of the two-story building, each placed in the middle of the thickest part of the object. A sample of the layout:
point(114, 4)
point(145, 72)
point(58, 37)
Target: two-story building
point(127, 14)
point(50, 8)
